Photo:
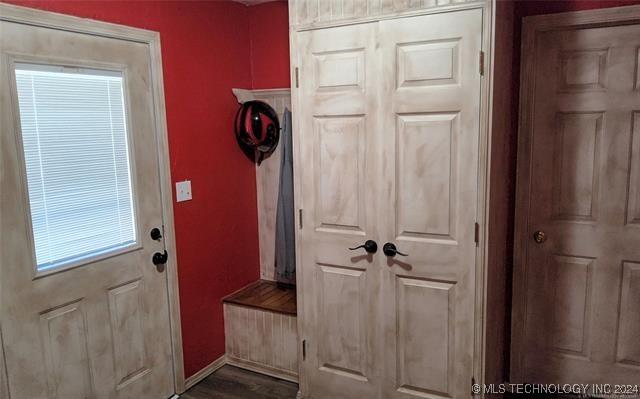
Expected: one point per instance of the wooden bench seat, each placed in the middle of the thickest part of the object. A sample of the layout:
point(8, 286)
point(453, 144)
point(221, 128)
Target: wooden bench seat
point(266, 295)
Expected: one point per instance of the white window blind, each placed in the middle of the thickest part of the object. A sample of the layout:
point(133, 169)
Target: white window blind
point(77, 161)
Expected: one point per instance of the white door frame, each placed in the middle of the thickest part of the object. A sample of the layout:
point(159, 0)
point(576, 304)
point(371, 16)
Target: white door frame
point(28, 16)
point(484, 159)
point(531, 27)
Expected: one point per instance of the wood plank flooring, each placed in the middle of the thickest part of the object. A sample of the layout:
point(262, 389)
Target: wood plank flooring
point(268, 295)
point(234, 383)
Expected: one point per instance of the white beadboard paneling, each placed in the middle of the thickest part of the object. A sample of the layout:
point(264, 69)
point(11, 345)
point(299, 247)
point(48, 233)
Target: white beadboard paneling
point(310, 12)
point(267, 181)
point(262, 341)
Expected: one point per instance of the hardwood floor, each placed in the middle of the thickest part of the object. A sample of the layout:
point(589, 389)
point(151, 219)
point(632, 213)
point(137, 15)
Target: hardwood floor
point(234, 383)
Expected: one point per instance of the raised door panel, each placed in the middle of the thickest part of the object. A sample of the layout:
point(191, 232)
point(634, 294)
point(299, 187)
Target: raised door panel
point(126, 307)
point(570, 304)
point(428, 63)
point(425, 337)
point(342, 323)
point(339, 81)
point(583, 70)
point(340, 173)
point(629, 325)
point(633, 200)
point(65, 343)
point(426, 175)
point(339, 70)
point(637, 85)
point(576, 160)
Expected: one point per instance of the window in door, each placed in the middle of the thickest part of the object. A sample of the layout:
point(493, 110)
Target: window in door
point(76, 154)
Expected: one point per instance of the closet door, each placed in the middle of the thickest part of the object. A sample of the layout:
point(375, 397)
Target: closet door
point(339, 181)
point(430, 104)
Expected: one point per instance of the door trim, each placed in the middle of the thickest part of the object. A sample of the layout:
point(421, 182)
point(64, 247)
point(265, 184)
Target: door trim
point(484, 161)
point(28, 16)
point(531, 27)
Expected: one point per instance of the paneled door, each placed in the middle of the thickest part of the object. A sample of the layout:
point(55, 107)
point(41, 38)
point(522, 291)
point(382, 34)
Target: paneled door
point(84, 310)
point(340, 185)
point(388, 137)
point(581, 322)
point(428, 203)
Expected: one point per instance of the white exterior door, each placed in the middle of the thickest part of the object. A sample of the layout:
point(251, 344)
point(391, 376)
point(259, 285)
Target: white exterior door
point(84, 311)
point(581, 322)
point(388, 136)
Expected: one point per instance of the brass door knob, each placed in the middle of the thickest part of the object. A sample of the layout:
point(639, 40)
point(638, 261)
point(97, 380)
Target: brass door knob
point(539, 237)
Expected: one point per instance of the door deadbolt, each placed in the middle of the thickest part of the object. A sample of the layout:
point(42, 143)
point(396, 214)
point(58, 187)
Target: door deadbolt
point(155, 234)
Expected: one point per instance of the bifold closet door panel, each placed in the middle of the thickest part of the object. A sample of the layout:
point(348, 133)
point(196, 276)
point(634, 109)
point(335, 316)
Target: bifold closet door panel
point(430, 105)
point(339, 181)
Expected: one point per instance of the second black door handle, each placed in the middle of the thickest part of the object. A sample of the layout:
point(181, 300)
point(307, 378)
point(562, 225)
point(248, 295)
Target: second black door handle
point(390, 250)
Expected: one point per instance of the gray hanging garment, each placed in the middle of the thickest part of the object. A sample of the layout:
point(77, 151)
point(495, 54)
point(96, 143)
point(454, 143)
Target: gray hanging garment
point(285, 220)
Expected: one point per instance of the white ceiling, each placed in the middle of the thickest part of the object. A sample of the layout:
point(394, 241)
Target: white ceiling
point(254, 2)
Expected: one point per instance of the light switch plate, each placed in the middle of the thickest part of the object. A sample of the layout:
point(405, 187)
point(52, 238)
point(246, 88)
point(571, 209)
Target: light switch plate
point(183, 191)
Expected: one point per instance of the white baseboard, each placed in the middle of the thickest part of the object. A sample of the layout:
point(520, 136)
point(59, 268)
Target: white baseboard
point(263, 369)
point(205, 372)
point(224, 359)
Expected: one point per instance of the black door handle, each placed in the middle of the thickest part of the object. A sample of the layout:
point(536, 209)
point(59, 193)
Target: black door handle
point(370, 246)
point(390, 249)
point(160, 258)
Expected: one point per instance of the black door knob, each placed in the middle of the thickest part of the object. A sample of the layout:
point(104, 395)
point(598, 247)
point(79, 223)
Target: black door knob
point(155, 234)
point(370, 246)
point(390, 249)
point(160, 258)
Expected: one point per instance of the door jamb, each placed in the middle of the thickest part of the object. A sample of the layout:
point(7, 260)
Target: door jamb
point(531, 27)
point(33, 17)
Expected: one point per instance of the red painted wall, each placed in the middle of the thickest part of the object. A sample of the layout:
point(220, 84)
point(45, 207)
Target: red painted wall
point(206, 52)
point(503, 176)
point(269, 25)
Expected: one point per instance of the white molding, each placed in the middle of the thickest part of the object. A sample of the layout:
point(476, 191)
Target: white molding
point(205, 372)
point(244, 95)
point(69, 23)
point(262, 369)
point(484, 192)
point(243, 364)
point(587, 18)
point(532, 26)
